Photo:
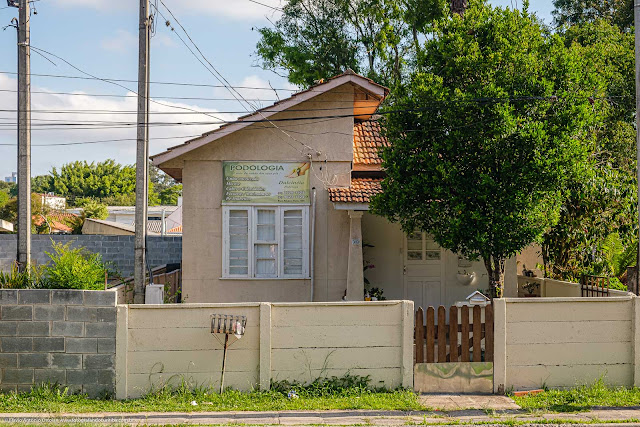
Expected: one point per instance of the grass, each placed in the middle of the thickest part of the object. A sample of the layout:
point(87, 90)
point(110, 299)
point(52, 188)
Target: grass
point(53, 399)
point(581, 398)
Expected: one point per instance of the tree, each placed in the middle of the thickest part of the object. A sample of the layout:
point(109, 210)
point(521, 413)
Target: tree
point(576, 12)
point(318, 39)
point(169, 196)
point(604, 204)
point(486, 134)
point(4, 198)
point(93, 209)
point(163, 189)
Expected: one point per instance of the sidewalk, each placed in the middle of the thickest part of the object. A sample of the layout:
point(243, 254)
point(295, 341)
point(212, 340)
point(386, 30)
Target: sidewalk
point(449, 409)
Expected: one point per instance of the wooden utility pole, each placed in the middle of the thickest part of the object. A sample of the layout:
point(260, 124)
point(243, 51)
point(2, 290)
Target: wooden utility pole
point(24, 138)
point(142, 154)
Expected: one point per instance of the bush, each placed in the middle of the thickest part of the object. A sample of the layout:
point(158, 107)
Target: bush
point(93, 209)
point(30, 278)
point(74, 268)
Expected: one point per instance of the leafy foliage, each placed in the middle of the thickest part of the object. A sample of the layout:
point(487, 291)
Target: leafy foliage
point(493, 125)
point(31, 277)
point(74, 268)
point(572, 12)
point(93, 209)
point(318, 39)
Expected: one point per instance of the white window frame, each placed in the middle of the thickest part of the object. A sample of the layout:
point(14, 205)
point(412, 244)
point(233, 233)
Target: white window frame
point(252, 233)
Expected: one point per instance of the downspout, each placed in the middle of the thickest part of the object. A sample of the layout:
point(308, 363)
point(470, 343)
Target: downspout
point(313, 239)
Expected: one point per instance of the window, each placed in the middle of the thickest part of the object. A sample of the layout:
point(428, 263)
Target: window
point(421, 247)
point(266, 242)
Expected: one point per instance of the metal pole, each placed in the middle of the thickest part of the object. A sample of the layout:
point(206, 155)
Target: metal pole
point(636, 15)
point(24, 138)
point(224, 360)
point(142, 154)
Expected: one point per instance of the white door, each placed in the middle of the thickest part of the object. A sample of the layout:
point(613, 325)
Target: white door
point(422, 270)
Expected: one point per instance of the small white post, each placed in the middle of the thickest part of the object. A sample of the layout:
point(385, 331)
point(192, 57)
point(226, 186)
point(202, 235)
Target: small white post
point(265, 346)
point(499, 345)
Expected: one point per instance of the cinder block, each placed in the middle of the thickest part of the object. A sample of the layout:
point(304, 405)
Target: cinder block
point(17, 312)
point(67, 329)
point(17, 376)
point(16, 344)
point(66, 297)
point(97, 391)
point(33, 329)
point(100, 298)
point(66, 361)
point(8, 296)
point(98, 361)
point(48, 312)
point(106, 314)
point(8, 360)
point(81, 314)
point(106, 345)
point(48, 344)
point(8, 329)
point(82, 376)
point(7, 389)
point(82, 345)
point(51, 376)
point(34, 296)
point(24, 388)
point(33, 360)
point(106, 376)
point(100, 330)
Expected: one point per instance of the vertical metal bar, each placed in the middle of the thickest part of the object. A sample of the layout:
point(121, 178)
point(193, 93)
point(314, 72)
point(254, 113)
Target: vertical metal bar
point(224, 360)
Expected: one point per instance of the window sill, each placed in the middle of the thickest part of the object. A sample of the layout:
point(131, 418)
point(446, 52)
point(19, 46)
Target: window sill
point(264, 278)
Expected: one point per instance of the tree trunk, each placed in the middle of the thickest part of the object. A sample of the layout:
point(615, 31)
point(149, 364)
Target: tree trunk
point(495, 272)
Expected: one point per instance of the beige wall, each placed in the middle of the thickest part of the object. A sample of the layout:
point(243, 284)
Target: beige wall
point(564, 342)
point(202, 210)
point(285, 341)
point(387, 256)
point(558, 288)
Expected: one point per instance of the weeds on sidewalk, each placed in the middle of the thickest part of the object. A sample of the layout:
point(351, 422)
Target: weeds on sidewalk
point(332, 393)
point(580, 398)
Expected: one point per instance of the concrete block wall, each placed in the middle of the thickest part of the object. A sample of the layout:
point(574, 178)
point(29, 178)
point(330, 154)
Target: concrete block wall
point(58, 336)
point(117, 250)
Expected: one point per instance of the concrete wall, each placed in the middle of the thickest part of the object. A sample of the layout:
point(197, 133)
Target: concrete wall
point(283, 341)
point(63, 336)
point(117, 250)
point(557, 288)
point(564, 342)
point(202, 210)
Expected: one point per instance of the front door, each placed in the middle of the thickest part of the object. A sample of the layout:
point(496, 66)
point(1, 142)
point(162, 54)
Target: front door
point(422, 270)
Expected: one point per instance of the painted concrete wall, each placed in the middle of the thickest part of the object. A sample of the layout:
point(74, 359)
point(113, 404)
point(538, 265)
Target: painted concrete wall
point(387, 256)
point(564, 342)
point(202, 210)
point(283, 341)
point(57, 336)
point(557, 288)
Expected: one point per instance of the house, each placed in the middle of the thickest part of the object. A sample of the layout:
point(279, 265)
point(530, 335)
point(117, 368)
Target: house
point(52, 201)
point(276, 208)
point(56, 222)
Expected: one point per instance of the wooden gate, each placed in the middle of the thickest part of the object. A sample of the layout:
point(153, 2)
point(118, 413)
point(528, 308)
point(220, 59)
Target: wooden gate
point(467, 337)
point(594, 286)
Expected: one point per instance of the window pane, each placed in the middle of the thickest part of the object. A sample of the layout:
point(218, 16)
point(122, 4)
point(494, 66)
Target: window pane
point(266, 257)
point(238, 242)
point(433, 254)
point(266, 251)
point(293, 253)
point(266, 225)
point(414, 255)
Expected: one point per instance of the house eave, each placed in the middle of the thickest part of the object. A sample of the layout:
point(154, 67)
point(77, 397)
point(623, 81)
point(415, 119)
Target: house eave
point(351, 206)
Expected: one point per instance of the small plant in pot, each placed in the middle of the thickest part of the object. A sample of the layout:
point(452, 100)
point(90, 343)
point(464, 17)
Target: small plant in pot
point(530, 289)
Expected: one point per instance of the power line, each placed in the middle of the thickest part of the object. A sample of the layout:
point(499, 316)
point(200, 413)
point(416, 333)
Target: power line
point(279, 9)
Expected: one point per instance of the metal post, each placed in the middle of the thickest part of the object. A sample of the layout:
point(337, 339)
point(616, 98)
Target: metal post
point(142, 154)
point(24, 138)
point(224, 360)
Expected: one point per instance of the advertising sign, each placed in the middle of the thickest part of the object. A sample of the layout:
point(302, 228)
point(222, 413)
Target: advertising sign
point(265, 183)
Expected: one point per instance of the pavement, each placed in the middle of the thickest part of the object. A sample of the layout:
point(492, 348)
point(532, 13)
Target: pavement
point(447, 410)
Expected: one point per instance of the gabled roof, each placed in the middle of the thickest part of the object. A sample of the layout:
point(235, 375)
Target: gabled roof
point(348, 77)
point(360, 191)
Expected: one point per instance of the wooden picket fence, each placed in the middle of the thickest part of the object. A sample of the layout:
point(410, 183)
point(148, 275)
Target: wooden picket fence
point(460, 340)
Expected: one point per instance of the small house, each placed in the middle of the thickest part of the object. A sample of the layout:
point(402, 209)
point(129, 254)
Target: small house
point(276, 208)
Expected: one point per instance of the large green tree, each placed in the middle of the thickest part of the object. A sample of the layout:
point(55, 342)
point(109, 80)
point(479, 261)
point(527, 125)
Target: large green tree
point(495, 122)
point(318, 39)
point(572, 12)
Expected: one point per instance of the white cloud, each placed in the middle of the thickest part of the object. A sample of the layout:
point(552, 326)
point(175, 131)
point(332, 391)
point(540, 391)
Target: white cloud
point(256, 88)
point(120, 41)
point(234, 9)
point(47, 129)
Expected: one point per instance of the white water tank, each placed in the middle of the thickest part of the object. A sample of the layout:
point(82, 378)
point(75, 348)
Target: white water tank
point(154, 294)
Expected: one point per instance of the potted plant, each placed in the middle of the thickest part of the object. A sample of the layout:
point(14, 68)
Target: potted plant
point(465, 278)
point(530, 289)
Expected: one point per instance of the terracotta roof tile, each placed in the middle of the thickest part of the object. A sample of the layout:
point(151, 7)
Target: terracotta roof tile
point(360, 191)
point(367, 141)
point(58, 221)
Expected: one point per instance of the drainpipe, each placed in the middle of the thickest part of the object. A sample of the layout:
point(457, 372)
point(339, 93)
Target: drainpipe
point(313, 239)
point(163, 226)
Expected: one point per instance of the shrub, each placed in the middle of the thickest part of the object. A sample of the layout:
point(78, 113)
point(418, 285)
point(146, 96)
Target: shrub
point(31, 277)
point(74, 268)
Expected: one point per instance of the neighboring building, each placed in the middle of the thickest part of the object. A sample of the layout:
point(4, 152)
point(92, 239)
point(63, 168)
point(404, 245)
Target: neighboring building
point(56, 222)
point(126, 214)
point(277, 210)
point(52, 201)
point(13, 178)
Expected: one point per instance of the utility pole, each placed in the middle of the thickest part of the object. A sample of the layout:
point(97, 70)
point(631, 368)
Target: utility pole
point(142, 154)
point(24, 138)
point(636, 17)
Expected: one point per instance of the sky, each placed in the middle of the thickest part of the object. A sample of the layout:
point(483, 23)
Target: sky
point(99, 37)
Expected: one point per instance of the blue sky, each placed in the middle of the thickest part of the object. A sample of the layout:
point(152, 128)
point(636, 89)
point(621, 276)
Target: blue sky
point(100, 37)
